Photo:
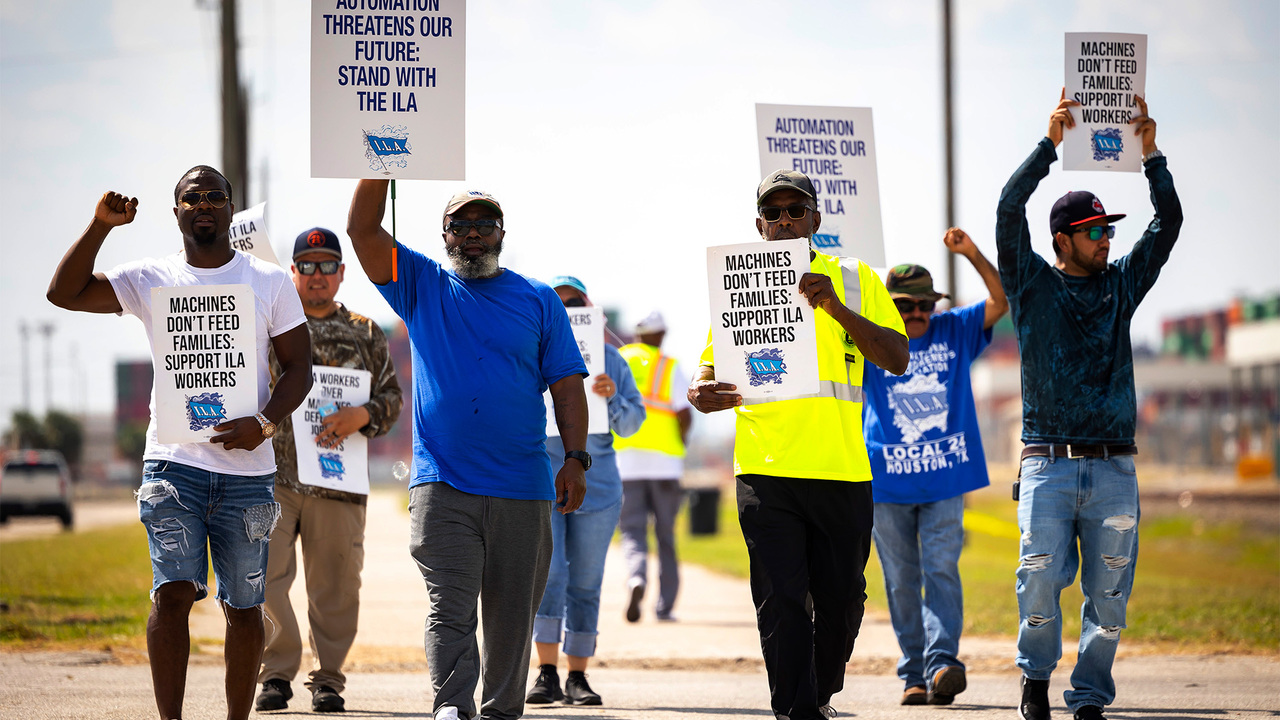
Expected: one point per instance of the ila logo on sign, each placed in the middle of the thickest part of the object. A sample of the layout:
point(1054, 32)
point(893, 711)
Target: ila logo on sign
point(766, 366)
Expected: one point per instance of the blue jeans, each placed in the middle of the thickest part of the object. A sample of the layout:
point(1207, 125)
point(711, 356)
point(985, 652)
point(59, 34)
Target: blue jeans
point(183, 507)
point(579, 542)
point(919, 548)
point(1094, 500)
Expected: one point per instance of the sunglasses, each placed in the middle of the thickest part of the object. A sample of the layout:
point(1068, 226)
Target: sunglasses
point(1095, 232)
point(905, 306)
point(216, 198)
point(327, 267)
point(461, 228)
point(772, 213)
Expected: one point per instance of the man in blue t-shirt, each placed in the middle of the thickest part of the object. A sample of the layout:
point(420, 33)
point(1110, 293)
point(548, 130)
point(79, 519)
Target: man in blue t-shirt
point(922, 439)
point(1077, 479)
point(486, 343)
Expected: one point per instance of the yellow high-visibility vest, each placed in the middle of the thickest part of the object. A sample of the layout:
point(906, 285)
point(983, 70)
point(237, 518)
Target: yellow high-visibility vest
point(654, 376)
point(818, 436)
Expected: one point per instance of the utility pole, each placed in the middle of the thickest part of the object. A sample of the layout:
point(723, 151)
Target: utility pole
point(25, 331)
point(949, 149)
point(46, 329)
point(235, 110)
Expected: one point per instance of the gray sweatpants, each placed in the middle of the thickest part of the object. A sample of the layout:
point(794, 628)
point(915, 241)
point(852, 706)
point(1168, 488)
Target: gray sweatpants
point(497, 551)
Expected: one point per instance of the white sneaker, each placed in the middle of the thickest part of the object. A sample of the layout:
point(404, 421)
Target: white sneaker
point(448, 712)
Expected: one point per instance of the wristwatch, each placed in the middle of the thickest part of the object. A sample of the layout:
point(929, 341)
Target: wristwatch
point(1152, 155)
point(268, 427)
point(581, 456)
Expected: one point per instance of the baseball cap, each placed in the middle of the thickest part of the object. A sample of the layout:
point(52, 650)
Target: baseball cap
point(785, 180)
point(1076, 208)
point(911, 281)
point(317, 239)
point(651, 323)
point(568, 281)
point(470, 196)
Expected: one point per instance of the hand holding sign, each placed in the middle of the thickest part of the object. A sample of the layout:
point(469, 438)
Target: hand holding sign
point(114, 209)
point(240, 434)
point(604, 386)
point(338, 425)
point(1061, 118)
point(819, 291)
point(1146, 127)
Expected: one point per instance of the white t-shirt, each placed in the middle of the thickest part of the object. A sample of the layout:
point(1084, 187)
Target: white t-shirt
point(641, 464)
point(277, 310)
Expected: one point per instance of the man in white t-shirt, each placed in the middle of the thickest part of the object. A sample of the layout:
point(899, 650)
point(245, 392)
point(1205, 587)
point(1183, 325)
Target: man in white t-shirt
point(651, 462)
point(220, 491)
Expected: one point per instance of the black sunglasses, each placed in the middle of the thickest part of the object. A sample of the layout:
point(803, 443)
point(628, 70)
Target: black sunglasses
point(773, 213)
point(192, 198)
point(327, 267)
point(905, 306)
point(461, 228)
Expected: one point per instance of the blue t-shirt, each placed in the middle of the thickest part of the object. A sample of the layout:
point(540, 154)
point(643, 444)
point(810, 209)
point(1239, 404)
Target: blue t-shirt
point(483, 353)
point(921, 428)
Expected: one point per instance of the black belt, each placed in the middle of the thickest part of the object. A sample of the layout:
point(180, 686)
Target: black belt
point(1072, 451)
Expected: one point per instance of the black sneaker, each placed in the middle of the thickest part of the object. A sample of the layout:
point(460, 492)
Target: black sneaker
point(546, 689)
point(326, 699)
point(633, 603)
point(1089, 712)
point(947, 684)
point(577, 691)
point(1035, 700)
point(275, 695)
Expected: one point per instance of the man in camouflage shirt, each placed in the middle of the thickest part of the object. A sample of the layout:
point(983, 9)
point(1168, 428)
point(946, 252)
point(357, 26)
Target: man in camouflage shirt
point(330, 523)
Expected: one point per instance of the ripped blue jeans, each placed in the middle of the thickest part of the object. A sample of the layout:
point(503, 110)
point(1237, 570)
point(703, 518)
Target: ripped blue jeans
point(184, 508)
point(1093, 501)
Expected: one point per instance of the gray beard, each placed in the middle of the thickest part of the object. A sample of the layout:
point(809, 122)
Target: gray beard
point(476, 267)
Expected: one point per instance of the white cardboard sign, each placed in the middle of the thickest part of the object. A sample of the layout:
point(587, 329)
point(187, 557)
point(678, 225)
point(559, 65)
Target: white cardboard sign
point(206, 361)
point(345, 467)
point(1103, 73)
point(588, 331)
point(836, 148)
point(388, 89)
point(762, 330)
point(248, 233)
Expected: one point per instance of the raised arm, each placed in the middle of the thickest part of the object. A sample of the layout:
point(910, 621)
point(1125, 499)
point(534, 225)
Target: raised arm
point(372, 243)
point(569, 398)
point(959, 242)
point(885, 347)
point(75, 286)
point(1142, 266)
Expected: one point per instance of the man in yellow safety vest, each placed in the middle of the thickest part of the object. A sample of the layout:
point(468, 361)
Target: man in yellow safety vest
point(803, 477)
point(651, 463)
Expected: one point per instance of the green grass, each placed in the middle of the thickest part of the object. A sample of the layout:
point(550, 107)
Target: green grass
point(1200, 587)
point(72, 588)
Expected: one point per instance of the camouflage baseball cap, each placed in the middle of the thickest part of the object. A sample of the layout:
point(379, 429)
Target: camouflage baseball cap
point(911, 281)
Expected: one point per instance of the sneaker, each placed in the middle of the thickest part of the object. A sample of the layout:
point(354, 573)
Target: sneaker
point(447, 712)
point(947, 684)
point(633, 605)
point(1089, 712)
point(914, 695)
point(1035, 700)
point(577, 691)
point(667, 617)
point(827, 711)
point(546, 689)
point(275, 695)
point(326, 699)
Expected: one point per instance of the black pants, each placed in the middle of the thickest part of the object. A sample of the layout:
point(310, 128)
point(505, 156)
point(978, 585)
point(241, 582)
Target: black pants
point(806, 539)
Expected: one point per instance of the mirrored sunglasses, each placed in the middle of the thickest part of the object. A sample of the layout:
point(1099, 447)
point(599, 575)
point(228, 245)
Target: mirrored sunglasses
point(327, 267)
point(1095, 232)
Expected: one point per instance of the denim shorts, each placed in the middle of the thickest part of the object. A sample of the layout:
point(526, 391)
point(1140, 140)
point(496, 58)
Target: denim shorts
point(185, 509)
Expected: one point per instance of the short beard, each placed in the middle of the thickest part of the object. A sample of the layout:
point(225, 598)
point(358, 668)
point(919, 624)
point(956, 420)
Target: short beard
point(477, 267)
point(204, 238)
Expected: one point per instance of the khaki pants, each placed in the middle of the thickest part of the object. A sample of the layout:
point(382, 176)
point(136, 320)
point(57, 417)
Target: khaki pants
point(332, 535)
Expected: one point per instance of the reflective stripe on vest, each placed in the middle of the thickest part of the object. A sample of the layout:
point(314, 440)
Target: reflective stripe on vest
point(826, 389)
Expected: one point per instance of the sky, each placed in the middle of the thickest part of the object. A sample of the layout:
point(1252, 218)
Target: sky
point(621, 141)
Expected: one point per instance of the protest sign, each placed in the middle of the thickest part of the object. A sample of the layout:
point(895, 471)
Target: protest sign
point(762, 330)
point(346, 466)
point(1103, 73)
point(206, 361)
point(388, 89)
point(588, 330)
point(248, 233)
point(836, 148)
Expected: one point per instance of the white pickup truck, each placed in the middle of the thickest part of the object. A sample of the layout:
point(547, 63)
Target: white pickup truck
point(35, 482)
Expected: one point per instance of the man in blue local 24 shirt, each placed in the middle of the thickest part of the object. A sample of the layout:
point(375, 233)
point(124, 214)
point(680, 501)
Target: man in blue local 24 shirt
point(922, 438)
point(1077, 479)
point(486, 343)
